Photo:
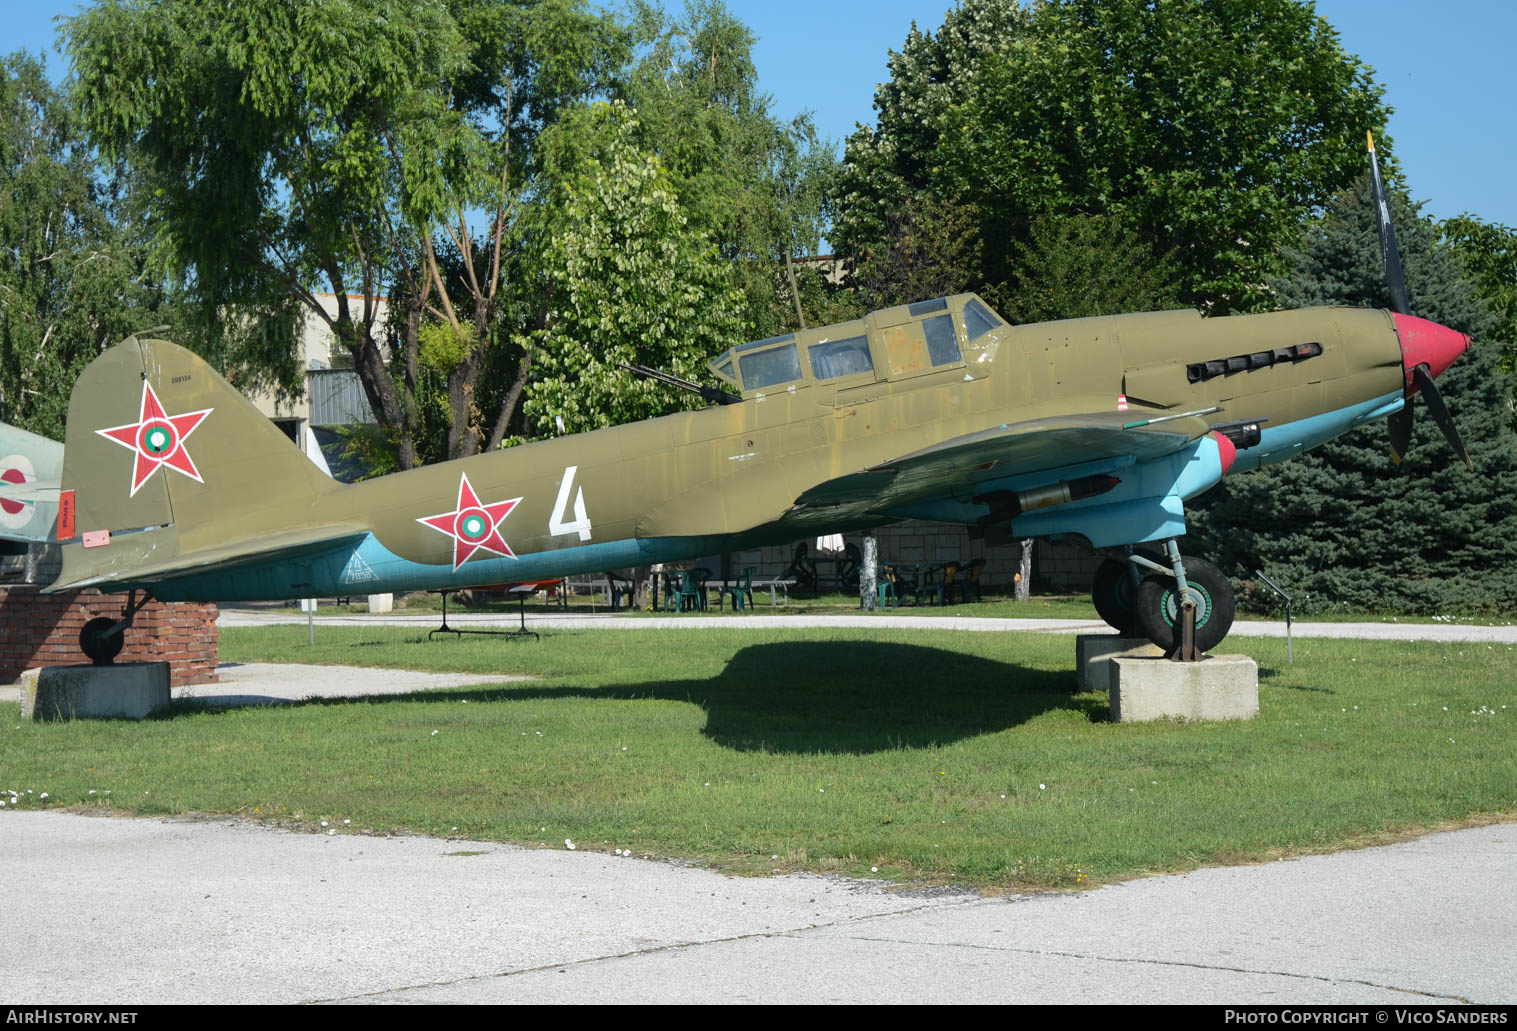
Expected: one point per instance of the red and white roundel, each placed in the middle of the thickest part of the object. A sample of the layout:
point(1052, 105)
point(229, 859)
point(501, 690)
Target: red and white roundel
point(16, 469)
point(158, 439)
point(474, 526)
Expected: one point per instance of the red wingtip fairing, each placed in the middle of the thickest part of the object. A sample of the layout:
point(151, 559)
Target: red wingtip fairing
point(1227, 451)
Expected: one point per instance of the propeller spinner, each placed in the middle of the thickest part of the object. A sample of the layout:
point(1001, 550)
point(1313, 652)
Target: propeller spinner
point(1426, 347)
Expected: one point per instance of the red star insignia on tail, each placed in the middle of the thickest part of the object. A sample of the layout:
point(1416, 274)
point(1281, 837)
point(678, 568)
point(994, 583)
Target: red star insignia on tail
point(158, 439)
point(472, 525)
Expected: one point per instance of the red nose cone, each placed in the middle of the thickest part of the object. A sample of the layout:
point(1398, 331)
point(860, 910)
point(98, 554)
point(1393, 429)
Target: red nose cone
point(1427, 343)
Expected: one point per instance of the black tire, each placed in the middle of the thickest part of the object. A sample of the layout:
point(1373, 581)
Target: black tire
point(101, 647)
point(1115, 595)
point(1159, 605)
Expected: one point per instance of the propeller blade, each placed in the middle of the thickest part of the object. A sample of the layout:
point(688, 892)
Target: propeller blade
point(1440, 412)
point(1394, 277)
point(1401, 432)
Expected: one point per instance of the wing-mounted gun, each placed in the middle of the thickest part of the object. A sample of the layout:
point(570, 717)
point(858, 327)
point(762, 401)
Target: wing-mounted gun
point(713, 394)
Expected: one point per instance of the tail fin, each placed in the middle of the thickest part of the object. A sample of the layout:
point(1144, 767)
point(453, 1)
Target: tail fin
point(166, 459)
point(29, 470)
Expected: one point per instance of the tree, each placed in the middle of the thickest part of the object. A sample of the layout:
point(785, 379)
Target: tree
point(375, 148)
point(1342, 525)
point(1075, 266)
point(754, 183)
point(1489, 251)
point(630, 282)
point(70, 282)
point(888, 167)
point(931, 248)
point(1209, 127)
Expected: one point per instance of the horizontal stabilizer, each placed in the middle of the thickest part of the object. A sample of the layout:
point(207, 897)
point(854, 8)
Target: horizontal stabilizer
point(30, 493)
point(215, 559)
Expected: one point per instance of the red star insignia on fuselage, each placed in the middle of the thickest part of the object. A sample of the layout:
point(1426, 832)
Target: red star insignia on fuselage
point(473, 526)
point(157, 438)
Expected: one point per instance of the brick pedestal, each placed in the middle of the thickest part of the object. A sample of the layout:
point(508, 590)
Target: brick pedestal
point(39, 629)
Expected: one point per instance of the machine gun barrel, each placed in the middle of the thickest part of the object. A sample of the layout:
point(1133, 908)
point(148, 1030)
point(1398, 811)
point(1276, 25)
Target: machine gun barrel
point(712, 394)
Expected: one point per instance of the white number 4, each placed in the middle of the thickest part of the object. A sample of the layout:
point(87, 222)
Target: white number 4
point(558, 522)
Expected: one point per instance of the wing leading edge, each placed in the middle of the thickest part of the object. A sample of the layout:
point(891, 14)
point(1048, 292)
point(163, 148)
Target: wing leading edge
point(956, 468)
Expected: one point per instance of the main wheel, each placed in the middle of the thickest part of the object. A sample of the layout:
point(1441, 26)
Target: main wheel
point(100, 646)
point(1115, 594)
point(1158, 605)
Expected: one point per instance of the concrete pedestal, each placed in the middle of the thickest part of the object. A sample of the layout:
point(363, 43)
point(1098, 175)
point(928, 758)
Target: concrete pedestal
point(131, 690)
point(1094, 652)
point(381, 602)
point(1219, 687)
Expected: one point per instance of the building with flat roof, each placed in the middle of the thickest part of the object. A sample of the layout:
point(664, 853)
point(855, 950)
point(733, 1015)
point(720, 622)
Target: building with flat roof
point(333, 396)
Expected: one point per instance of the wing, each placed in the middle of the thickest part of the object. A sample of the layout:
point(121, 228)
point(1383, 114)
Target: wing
point(956, 467)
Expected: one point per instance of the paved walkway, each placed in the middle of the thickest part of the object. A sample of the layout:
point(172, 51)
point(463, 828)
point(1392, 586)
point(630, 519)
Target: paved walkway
point(1451, 632)
point(195, 911)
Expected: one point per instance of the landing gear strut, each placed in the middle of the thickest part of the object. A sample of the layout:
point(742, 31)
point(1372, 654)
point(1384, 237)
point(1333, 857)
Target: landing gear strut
point(102, 637)
point(1141, 593)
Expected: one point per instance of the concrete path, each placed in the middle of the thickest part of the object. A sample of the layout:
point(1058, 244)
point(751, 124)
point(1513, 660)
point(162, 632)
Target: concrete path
point(255, 683)
point(121, 911)
point(1491, 633)
point(267, 683)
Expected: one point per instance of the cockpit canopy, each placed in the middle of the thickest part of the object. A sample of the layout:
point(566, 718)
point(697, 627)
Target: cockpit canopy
point(886, 345)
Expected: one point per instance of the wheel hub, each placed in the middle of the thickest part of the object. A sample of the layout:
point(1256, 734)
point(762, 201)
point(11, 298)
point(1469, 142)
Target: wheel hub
point(1197, 594)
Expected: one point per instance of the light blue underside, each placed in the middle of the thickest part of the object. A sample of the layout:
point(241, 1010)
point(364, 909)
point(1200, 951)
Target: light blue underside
point(370, 568)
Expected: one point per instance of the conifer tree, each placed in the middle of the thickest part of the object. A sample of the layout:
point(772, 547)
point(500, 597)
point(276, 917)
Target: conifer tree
point(1343, 525)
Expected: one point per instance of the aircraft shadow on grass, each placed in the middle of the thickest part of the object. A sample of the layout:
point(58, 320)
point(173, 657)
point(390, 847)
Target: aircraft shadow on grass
point(805, 696)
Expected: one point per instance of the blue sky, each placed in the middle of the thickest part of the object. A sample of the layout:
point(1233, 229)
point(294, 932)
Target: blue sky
point(1446, 67)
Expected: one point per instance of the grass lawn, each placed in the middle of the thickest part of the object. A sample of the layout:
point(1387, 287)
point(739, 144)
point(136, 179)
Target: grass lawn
point(936, 756)
point(836, 603)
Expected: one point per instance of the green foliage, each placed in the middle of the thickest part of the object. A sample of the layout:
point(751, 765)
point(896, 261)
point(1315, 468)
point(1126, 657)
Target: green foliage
point(373, 148)
point(409, 150)
point(71, 283)
point(884, 168)
point(443, 345)
point(1489, 251)
point(1080, 265)
point(630, 281)
point(823, 301)
point(1211, 127)
point(754, 183)
point(1342, 525)
point(260, 124)
point(930, 249)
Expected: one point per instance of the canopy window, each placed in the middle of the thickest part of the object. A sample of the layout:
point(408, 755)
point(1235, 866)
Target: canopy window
point(979, 320)
point(768, 368)
point(836, 358)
